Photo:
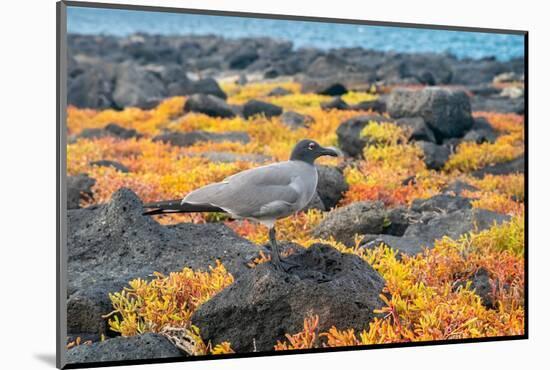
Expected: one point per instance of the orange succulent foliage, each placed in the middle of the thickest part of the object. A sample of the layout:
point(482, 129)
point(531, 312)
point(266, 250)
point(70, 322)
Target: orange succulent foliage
point(296, 229)
point(239, 94)
point(497, 203)
point(188, 340)
point(77, 342)
point(502, 194)
point(307, 338)
point(383, 173)
point(165, 301)
point(430, 298)
point(471, 156)
point(262, 258)
point(384, 133)
point(161, 171)
point(423, 298)
point(504, 122)
point(508, 185)
point(391, 197)
point(222, 348)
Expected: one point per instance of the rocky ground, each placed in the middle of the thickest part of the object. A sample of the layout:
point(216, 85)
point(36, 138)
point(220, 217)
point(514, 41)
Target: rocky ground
point(141, 70)
point(415, 233)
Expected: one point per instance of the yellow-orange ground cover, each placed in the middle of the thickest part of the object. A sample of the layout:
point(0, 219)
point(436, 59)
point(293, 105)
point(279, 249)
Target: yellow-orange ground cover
point(427, 301)
point(422, 300)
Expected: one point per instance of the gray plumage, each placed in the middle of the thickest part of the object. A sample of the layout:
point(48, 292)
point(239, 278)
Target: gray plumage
point(263, 194)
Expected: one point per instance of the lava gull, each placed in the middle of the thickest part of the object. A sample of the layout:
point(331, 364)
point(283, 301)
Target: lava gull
point(263, 194)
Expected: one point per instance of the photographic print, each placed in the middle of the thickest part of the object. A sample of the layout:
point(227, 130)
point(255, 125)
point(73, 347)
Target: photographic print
point(242, 185)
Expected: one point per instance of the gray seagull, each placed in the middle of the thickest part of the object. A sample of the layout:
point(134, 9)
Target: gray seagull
point(263, 194)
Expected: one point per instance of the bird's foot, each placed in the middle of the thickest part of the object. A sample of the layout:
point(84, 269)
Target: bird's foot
point(284, 266)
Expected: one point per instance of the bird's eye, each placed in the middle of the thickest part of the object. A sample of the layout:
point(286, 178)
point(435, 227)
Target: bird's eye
point(311, 146)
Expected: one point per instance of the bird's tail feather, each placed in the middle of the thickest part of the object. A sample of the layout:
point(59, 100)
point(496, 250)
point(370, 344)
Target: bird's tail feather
point(176, 206)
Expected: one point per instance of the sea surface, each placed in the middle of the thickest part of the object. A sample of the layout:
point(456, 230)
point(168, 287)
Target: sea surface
point(301, 33)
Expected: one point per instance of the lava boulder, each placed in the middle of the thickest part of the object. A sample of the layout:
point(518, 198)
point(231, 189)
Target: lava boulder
point(111, 244)
point(189, 138)
point(147, 346)
point(435, 156)
point(210, 105)
point(260, 307)
point(447, 112)
point(79, 187)
point(355, 219)
point(331, 185)
point(296, 120)
point(256, 107)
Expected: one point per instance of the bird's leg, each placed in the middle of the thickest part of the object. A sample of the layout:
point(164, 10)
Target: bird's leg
point(275, 256)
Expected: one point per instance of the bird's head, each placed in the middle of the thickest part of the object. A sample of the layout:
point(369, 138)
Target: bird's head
point(308, 151)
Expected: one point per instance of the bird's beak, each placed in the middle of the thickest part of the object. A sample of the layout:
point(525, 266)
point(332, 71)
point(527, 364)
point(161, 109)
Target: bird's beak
point(329, 151)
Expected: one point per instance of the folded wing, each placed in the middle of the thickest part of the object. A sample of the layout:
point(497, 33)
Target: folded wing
point(258, 192)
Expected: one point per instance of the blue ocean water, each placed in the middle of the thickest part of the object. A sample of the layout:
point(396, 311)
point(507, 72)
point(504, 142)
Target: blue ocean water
point(303, 34)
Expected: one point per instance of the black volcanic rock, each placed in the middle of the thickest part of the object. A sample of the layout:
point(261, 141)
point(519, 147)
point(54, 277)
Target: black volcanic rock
point(435, 156)
point(457, 187)
point(136, 87)
point(335, 89)
point(454, 224)
point(92, 87)
point(257, 107)
point(480, 283)
point(480, 136)
point(111, 129)
point(447, 112)
point(357, 218)
point(243, 57)
point(92, 60)
point(323, 86)
point(111, 244)
point(481, 132)
point(207, 86)
point(505, 168)
point(335, 103)
point(279, 91)
point(210, 105)
point(114, 164)
point(78, 187)
point(417, 129)
point(261, 306)
point(433, 225)
point(441, 203)
point(189, 138)
point(499, 104)
point(331, 185)
point(296, 120)
point(378, 106)
point(147, 346)
point(327, 65)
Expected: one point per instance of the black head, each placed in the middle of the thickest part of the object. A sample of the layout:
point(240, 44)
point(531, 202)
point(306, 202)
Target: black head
point(308, 151)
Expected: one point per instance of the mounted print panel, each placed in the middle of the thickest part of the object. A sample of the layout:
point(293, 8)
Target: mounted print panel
point(236, 184)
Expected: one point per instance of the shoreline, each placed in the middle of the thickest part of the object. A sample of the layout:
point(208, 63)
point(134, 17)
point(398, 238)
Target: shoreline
point(152, 68)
